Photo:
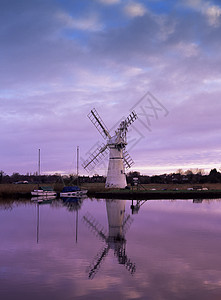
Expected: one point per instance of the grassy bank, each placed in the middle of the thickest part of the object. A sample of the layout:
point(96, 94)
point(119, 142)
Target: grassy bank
point(101, 186)
point(24, 190)
point(14, 189)
point(21, 190)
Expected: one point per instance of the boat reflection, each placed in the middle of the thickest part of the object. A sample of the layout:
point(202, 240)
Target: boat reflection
point(115, 240)
point(72, 203)
point(198, 200)
point(43, 199)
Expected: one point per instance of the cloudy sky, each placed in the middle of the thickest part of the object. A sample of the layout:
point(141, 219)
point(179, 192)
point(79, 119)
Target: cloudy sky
point(61, 58)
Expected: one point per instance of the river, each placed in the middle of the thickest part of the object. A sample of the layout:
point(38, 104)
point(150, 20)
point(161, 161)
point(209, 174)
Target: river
point(110, 249)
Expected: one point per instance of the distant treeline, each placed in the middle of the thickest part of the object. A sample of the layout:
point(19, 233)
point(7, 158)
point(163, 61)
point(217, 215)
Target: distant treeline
point(189, 176)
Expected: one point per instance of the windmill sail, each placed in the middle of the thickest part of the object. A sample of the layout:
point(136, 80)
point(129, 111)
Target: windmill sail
point(124, 260)
point(98, 123)
point(95, 157)
point(131, 118)
point(97, 229)
point(96, 264)
point(128, 161)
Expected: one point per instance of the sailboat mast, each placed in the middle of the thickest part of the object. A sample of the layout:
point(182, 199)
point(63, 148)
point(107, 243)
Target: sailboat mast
point(39, 162)
point(77, 165)
point(37, 223)
point(39, 165)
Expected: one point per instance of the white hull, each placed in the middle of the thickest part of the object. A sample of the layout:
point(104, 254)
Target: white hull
point(43, 193)
point(116, 177)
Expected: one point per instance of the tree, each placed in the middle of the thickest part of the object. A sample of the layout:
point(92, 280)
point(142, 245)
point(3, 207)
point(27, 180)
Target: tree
point(189, 172)
point(214, 176)
point(2, 174)
point(180, 171)
point(134, 174)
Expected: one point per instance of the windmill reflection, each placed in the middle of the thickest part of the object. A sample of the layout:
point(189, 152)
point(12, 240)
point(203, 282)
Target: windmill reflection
point(115, 240)
point(135, 206)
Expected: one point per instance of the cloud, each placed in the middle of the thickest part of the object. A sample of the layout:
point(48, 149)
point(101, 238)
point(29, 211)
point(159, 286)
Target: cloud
point(109, 2)
point(188, 50)
point(88, 23)
point(135, 9)
point(212, 12)
point(58, 62)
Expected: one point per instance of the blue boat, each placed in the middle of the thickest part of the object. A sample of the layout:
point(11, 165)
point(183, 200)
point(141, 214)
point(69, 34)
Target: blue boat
point(72, 191)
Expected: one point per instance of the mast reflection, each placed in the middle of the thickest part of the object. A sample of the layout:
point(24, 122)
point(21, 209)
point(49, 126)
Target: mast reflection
point(115, 240)
point(73, 204)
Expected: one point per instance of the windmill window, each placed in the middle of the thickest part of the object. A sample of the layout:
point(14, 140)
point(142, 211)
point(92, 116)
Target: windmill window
point(121, 171)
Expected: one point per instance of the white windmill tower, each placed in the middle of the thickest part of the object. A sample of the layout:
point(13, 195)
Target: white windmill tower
point(119, 159)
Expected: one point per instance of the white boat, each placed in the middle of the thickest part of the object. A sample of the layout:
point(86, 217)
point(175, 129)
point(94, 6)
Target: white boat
point(45, 191)
point(72, 191)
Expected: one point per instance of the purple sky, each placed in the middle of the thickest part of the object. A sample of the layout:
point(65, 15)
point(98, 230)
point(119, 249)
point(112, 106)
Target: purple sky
point(59, 59)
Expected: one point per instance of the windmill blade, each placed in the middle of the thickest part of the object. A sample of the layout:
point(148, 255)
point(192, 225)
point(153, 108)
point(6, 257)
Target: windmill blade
point(124, 260)
point(98, 123)
point(95, 157)
point(131, 118)
point(128, 161)
point(96, 264)
point(127, 223)
point(95, 227)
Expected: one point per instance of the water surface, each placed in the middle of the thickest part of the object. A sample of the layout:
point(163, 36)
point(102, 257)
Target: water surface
point(99, 249)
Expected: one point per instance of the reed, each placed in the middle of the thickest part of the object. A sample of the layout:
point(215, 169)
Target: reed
point(7, 190)
point(16, 188)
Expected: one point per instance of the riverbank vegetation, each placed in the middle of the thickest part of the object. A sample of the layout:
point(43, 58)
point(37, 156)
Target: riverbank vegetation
point(191, 176)
point(18, 184)
point(18, 190)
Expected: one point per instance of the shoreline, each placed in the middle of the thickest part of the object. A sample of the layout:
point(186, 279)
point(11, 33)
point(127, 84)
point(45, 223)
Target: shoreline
point(157, 191)
point(148, 195)
point(134, 195)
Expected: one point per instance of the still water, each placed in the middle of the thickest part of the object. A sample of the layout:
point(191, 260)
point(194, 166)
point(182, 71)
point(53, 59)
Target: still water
point(101, 249)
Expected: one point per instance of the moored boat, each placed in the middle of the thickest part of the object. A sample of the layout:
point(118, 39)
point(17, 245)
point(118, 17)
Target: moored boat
point(45, 191)
point(72, 191)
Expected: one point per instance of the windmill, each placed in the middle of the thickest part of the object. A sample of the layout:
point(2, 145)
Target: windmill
point(119, 159)
point(114, 239)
